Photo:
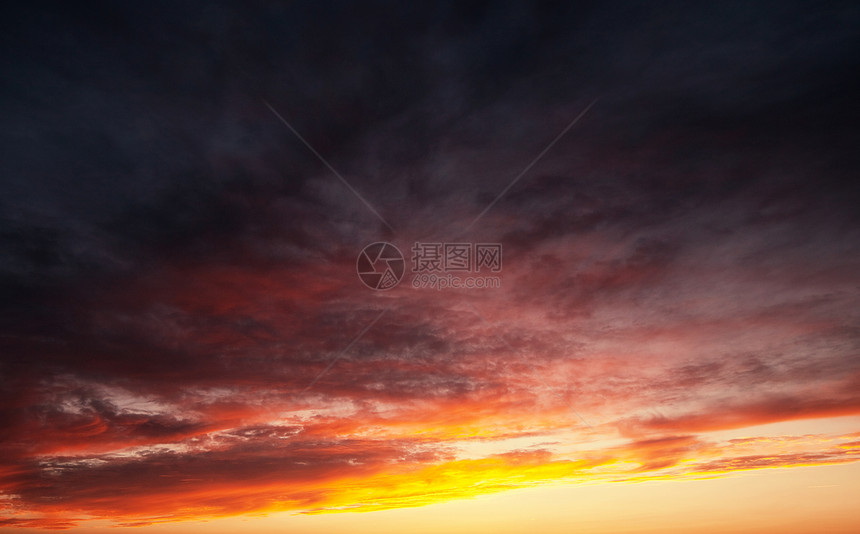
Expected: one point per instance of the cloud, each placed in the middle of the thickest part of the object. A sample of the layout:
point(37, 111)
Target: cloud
point(177, 267)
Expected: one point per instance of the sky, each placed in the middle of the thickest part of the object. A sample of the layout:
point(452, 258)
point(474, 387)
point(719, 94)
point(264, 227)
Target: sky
point(669, 340)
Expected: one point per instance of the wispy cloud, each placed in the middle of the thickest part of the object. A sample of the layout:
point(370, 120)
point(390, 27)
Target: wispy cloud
point(176, 269)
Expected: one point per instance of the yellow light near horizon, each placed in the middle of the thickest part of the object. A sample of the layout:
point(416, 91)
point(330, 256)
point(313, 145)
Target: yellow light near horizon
point(768, 501)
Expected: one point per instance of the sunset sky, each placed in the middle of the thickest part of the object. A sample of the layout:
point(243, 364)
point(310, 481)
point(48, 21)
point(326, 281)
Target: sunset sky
point(186, 345)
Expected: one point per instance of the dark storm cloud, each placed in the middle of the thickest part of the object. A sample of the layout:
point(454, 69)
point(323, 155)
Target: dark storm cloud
point(127, 138)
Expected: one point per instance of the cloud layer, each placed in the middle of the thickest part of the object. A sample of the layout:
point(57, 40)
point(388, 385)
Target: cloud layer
point(178, 270)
